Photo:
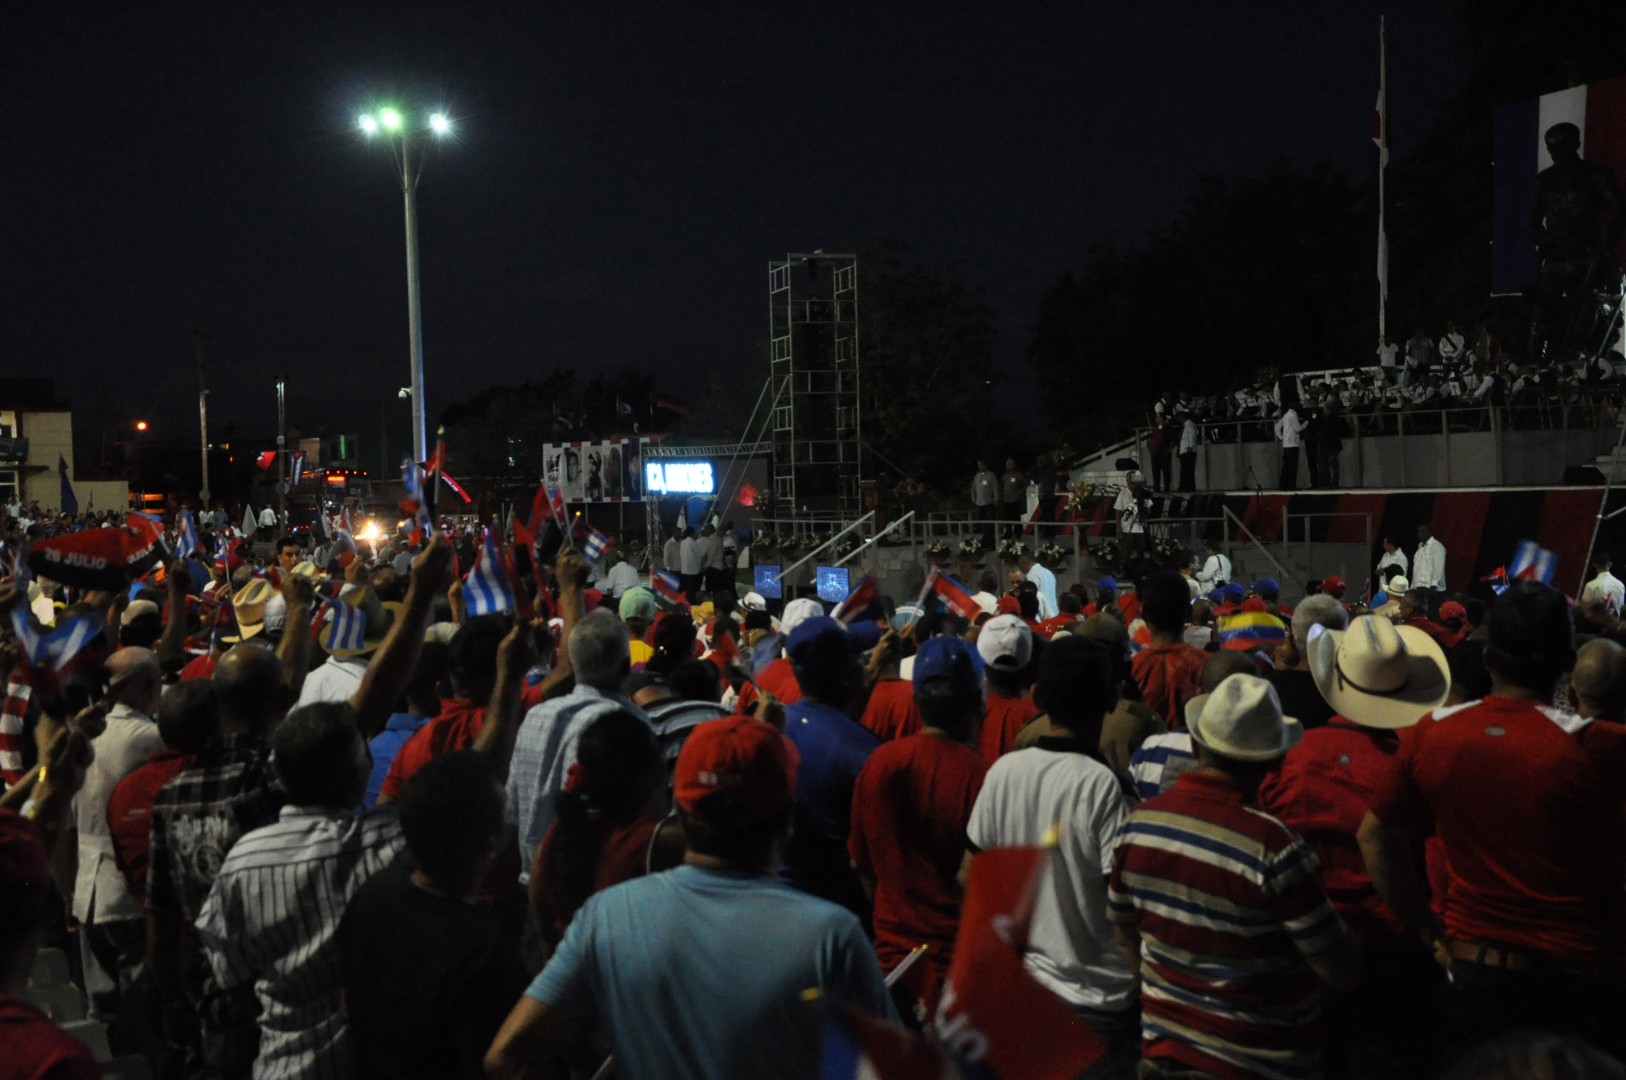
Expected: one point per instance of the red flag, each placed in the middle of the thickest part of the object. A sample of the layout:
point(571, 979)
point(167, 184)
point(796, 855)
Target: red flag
point(723, 651)
point(954, 596)
point(266, 459)
point(863, 596)
point(991, 1005)
point(522, 599)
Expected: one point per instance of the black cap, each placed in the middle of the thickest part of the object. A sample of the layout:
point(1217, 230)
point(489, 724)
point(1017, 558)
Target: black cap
point(1532, 621)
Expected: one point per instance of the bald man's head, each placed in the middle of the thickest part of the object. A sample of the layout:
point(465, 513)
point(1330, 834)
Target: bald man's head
point(139, 679)
point(1598, 683)
point(250, 690)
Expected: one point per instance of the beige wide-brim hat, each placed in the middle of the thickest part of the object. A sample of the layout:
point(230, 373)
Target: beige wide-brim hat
point(248, 606)
point(1380, 675)
point(380, 616)
point(1242, 720)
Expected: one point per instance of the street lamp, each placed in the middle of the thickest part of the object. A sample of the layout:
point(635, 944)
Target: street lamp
point(409, 137)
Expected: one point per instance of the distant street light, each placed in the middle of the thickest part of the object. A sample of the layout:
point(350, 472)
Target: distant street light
point(141, 425)
point(408, 139)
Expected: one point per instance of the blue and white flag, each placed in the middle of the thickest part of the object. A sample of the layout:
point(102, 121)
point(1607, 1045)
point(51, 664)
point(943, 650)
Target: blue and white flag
point(347, 626)
point(487, 590)
point(186, 540)
point(416, 502)
point(1532, 562)
point(595, 545)
point(50, 651)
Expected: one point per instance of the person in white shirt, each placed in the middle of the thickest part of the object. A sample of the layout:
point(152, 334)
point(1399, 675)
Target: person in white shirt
point(1452, 344)
point(1605, 588)
point(671, 553)
point(1216, 569)
point(691, 561)
point(622, 575)
point(1061, 781)
point(1388, 351)
point(1131, 528)
point(1428, 565)
point(1392, 556)
point(1190, 438)
point(1044, 581)
point(1290, 433)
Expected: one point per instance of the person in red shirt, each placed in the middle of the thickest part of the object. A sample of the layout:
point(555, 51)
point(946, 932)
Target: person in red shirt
point(188, 717)
point(1106, 599)
point(604, 834)
point(1006, 646)
point(1168, 671)
point(890, 712)
point(777, 677)
point(1526, 801)
point(1378, 679)
point(1412, 614)
point(911, 804)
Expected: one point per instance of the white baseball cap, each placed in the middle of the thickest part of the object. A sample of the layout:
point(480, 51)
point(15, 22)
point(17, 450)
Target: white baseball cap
point(1005, 643)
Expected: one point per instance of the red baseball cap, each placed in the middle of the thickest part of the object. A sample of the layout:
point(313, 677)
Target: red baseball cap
point(742, 756)
point(1332, 583)
point(1452, 610)
point(1008, 605)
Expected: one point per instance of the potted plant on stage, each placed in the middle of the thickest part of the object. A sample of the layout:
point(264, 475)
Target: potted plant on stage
point(1105, 554)
point(1012, 550)
point(1054, 556)
point(937, 552)
point(970, 556)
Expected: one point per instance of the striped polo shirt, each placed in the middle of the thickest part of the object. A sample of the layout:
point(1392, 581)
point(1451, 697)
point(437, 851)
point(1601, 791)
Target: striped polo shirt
point(1227, 902)
point(270, 920)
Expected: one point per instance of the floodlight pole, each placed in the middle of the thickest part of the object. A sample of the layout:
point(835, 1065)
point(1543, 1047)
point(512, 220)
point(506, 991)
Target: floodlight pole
point(409, 191)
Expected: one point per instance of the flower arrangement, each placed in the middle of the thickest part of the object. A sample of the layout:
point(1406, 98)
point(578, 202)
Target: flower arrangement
point(1166, 547)
point(764, 542)
point(1106, 553)
point(1053, 555)
point(971, 546)
point(844, 546)
point(1012, 550)
point(635, 550)
point(937, 549)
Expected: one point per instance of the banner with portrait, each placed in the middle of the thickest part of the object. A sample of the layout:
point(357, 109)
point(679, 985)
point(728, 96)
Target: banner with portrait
point(595, 470)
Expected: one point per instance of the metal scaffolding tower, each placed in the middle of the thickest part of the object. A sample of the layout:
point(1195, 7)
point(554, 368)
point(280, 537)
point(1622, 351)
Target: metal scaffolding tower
point(813, 374)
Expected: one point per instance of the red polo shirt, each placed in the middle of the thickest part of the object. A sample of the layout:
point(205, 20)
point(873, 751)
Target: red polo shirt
point(1527, 802)
point(1002, 718)
point(911, 804)
point(891, 712)
point(1322, 792)
point(456, 728)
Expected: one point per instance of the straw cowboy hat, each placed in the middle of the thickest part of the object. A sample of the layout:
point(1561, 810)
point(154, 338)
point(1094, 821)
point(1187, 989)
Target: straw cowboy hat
point(379, 616)
point(1242, 720)
point(1378, 674)
point(248, 606)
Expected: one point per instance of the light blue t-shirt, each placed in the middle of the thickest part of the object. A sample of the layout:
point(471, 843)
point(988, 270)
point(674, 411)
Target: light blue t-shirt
point(700, 973)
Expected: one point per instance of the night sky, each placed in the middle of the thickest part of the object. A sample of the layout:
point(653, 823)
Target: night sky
point(620, 175)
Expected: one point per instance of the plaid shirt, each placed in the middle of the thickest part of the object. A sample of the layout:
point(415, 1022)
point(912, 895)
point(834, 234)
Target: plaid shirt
point(198, 816)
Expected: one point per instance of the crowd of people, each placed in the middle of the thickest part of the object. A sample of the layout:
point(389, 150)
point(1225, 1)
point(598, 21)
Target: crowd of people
point(324, 814)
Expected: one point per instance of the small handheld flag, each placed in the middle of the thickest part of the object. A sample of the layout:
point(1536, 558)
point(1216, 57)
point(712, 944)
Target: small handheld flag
point(349, 626)
point(1532, 562)
point(954, 596)
point(595, 545)
point(49, 652)
point(187, 543)
point(416, 503)
point(859, 600)
point(488, 589)
point(667, 584)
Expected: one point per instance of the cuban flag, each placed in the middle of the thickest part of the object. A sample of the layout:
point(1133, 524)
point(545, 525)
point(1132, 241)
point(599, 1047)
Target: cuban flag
point(1532, 562)
point(14, 561)
point(348, 626)
point(186, 542)
point(51, 651)
point(953, 595)
point(296, 468)
point(416, 503)
point(1599, 110)
point(595, 545)
point(667, 584)
point(864, 596)
point(488, 589)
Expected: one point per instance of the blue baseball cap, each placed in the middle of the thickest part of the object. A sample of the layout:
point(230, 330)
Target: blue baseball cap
point(866, 634)
point(1266, 586)
point(945, 657)
point(1107, 583)
point(1234, 591)
point(819, 640)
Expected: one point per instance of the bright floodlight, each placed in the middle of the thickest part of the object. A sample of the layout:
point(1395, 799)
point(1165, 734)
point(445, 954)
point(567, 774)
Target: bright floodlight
point(439, 124)
point(390, 119)
point(369, 125)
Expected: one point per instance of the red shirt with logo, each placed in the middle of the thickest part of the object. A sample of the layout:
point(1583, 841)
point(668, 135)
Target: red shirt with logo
point(1527, 801)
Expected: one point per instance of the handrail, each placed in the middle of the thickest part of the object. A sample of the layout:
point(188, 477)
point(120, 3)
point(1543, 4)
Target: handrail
point(1281, 571)
point(833, 538)
point(893, 525)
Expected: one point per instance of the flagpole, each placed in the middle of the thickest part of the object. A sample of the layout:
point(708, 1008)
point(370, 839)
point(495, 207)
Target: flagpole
point(1383, 164)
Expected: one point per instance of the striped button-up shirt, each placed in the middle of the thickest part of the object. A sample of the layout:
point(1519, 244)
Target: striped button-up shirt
point(544, 751)
point(270, 920)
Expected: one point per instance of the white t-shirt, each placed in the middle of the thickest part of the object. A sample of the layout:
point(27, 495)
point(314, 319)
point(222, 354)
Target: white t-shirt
point(1387, 352)
point(1289, 429)
point(1070, 946)
point(1128, 508)
point(1607, 589)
